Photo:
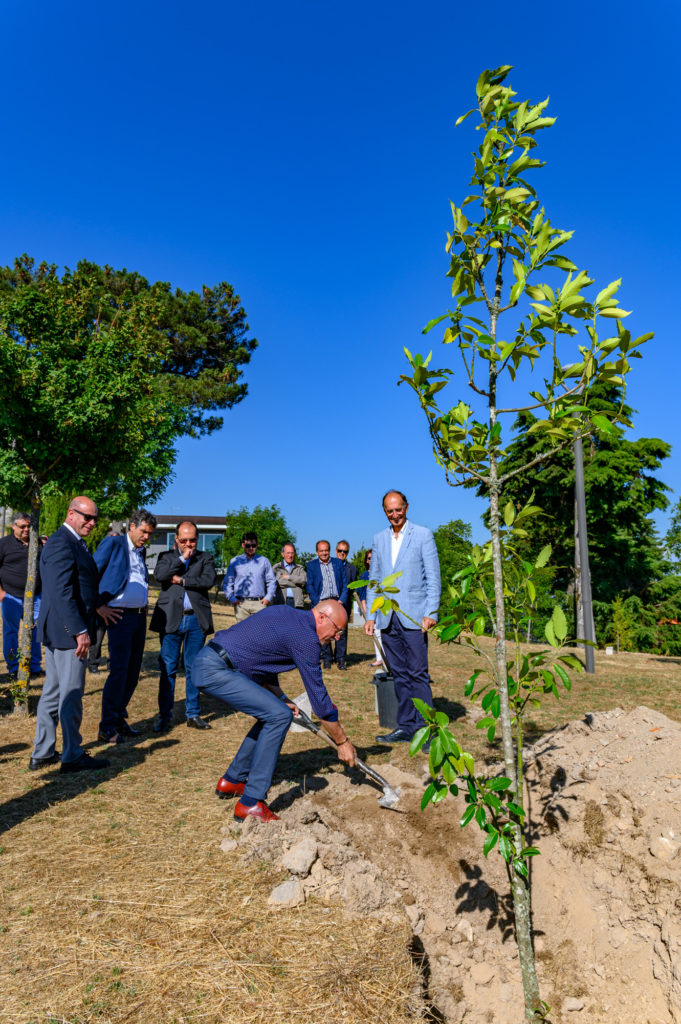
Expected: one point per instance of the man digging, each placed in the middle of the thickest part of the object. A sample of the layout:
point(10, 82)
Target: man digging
point(240, 666)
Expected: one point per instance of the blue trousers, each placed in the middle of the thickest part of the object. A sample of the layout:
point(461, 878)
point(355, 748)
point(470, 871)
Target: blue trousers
point(12, 614)
point(257, 756)
point(126, 647)
point(407, 654)
point(191, 637)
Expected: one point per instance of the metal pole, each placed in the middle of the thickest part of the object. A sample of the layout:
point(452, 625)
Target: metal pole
point(585, 575)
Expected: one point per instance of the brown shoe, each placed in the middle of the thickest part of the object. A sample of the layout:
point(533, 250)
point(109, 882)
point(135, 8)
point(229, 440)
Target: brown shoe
point(225, 788)
point(260, 811)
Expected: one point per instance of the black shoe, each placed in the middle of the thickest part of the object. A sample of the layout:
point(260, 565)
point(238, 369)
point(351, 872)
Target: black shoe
point(93, 668)
point(36, 763)
point(112, 738)
point(85, 763)
point(396, 736)
point(326, 665)
point(162, 724)
point(196, 722)
point(127, 730)
point(342, 667)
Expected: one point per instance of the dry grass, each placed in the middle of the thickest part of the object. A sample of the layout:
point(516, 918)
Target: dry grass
point(118, 905)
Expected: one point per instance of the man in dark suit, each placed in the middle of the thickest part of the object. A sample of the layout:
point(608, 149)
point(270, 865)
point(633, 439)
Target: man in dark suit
point(65, 625)
point(184, 619)
point(325, 580)
point(122, 603)
point(342, 552)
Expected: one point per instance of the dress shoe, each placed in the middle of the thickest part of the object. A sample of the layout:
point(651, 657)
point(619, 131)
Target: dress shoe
point(196, 722)
point(42, 762)
point(112, 738)
point(162, 724)
point(225, 788)
point(85, 763)
point(127, 730)
point(396, 736)
point(260, 811)
point(342, 667)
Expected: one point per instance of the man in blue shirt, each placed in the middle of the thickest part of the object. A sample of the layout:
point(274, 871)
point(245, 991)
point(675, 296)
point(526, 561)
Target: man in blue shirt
point(326, 579)
point(240, 666)
point(250, 584)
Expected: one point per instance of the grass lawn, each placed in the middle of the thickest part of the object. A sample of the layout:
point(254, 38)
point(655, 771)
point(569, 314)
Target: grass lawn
point(118, 905)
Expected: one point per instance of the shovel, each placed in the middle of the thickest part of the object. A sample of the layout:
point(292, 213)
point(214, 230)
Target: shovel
point(390, 798)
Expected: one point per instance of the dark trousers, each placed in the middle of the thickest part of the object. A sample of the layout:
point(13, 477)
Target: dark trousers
point(257, 756)
point(407, 654)
point(95, 652)
point(12, 614)
point(126, 647)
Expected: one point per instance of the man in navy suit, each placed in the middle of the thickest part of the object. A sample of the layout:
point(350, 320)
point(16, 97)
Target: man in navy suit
point(326, 580)
point(65, 626)
point(122, 603)
point(342, 552)
point(410, 549)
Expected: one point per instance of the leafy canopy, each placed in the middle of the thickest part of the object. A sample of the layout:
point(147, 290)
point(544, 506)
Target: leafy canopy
point(267, 521)
point(101, 372)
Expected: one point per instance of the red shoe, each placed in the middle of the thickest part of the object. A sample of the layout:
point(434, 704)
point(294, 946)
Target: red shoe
point(225, 788)
point(260, 811)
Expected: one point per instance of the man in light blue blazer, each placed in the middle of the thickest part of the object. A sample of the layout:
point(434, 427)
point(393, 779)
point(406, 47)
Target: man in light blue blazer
point(410, 549)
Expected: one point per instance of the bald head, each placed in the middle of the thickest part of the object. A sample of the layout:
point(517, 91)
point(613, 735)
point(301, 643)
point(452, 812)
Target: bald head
point(330, 619)
point(82, 515)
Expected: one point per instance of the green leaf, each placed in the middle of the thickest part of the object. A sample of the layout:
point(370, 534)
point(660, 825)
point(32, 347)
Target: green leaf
point(543, 557)
point(491, 841)
point(428, 796)
point(509, 514)
point(550, 635)
point(418, 739)
point(479, 626)
point(520, 867)
point(499, 784)
point(423, 709)
point(467, 814)
point(559, 623)
point(613, 314)
point(463, 117)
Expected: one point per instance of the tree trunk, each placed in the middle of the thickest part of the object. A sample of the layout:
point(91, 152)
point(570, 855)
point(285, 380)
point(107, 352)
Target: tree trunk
point(579, 607)
point(519, 887)
point(26, 629)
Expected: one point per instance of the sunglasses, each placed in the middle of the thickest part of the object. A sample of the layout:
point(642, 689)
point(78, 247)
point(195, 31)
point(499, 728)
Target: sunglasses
point(248, 545)
point(342, 551)
point(86, 516)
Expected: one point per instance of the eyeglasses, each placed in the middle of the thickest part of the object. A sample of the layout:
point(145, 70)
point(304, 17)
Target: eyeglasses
point(336, 627)
point(86, 515)
point(249, 544)
point(342, 551)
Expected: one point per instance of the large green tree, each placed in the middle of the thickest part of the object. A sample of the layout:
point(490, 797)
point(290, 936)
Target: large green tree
point(622, 491)
point(453, 543)
point(267, 521)
point(100, 373)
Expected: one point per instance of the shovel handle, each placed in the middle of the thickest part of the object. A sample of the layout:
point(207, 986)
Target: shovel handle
point(302, 719)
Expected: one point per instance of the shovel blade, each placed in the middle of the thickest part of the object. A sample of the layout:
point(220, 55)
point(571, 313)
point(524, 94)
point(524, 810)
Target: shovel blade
point(390, 798)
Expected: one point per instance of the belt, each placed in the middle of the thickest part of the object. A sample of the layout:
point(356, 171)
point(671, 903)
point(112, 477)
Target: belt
point(250, 598)
point(222, 653)
point(187, 612)
point(134, 611)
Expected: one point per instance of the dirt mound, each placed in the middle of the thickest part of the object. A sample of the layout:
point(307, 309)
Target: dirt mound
point(603, 798)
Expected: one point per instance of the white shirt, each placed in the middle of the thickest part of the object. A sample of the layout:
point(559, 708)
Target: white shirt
point(135, 593)
point(396, 541)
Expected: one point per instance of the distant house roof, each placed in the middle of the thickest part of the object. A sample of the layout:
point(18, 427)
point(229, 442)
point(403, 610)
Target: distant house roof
point(166, 522)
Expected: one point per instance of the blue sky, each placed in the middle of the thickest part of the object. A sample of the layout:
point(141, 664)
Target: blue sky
point(307, 154)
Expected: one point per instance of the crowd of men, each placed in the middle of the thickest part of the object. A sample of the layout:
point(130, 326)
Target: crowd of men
point(80, 593)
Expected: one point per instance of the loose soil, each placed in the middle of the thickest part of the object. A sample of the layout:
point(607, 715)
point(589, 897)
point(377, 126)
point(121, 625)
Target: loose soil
point(133, 896)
